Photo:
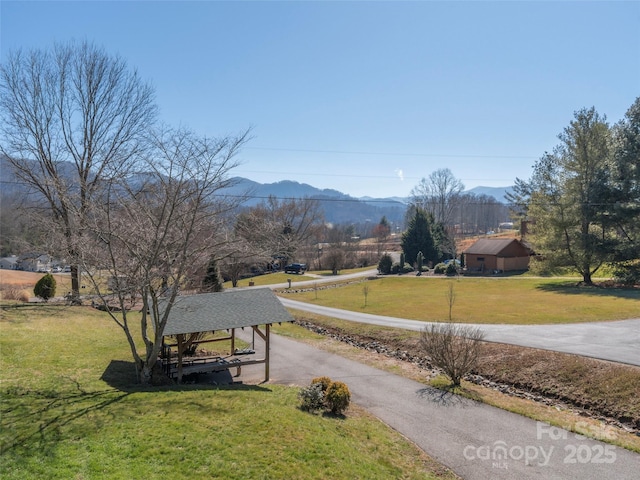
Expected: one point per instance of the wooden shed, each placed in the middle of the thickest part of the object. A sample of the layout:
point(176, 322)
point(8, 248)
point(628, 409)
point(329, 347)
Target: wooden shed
point(224, 311)
point(496, 254)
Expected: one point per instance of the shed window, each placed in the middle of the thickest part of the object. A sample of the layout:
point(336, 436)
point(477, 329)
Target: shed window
point(481, 259)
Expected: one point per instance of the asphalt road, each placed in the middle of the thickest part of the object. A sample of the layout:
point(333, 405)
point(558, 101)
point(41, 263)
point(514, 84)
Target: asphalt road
point(477, 441)
point(617, 341)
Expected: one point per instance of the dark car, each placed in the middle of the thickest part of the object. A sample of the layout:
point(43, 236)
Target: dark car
point(295, 268)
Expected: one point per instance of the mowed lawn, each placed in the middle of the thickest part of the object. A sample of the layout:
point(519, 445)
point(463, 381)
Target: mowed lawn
point(70, 409)
point(519, 300)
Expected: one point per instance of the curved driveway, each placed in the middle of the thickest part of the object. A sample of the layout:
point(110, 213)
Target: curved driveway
point(617, 341)
point(476, 440)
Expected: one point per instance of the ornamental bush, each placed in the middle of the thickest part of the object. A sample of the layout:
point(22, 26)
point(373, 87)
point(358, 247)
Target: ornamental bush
point(385, 264)
point(337, 397)
point(440, 268)
point(45, 287)
point(323, 381)
point(451, 268)
point(324, 393)
point(311, 397)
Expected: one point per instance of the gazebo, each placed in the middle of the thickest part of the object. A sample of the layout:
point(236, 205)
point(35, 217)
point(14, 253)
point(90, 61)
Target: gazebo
point(192, 315)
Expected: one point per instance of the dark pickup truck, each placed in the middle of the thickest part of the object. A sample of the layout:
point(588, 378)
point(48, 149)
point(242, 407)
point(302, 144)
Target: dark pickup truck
point(295, 268)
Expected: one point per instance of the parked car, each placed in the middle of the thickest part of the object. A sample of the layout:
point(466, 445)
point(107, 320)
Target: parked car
point(295, 268)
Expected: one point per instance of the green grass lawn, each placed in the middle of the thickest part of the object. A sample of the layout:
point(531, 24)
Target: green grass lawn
point(70, 409)
point(270, 279)
point(480, 300)
point(281, 277)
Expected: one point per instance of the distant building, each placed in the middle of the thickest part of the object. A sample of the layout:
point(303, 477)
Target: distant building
point(35, 262)
point(9, 263)
point(491, 254)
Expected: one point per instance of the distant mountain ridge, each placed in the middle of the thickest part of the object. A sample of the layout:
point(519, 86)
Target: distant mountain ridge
point(499, 193)
point(293, 189)
point(338, 207)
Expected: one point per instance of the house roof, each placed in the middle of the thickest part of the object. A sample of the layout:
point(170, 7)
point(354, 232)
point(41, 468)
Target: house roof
point(33, 255)
point(224, 310)
point(490, 246)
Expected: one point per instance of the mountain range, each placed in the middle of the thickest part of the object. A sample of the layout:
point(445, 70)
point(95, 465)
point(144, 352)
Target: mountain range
point(338, 207)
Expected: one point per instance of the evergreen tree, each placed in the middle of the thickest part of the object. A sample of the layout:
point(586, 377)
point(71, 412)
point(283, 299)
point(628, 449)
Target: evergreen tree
point(212, 281)
point(45, 288)
point(385, 264)
point(419, 262)
point(419, 237)
point(624, 194)
point(567, 190)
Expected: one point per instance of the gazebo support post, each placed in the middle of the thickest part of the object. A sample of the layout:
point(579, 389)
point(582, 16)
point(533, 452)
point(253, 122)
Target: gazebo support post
point(233, 341)
point(266, 337)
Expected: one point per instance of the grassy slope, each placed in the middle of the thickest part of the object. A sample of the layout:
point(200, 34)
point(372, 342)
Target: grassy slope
point(70, 410)
point(481, 300)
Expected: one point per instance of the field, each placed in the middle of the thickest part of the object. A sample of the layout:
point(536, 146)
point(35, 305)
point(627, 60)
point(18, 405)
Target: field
point(15, 281)
point(71, 409)
point(511, 300)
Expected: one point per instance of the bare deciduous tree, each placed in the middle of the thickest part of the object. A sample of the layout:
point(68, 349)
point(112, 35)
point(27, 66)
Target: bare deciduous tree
point(452, 347)
point(151, 234)
point(283, 226)
point(438, 194)
point(72, 118)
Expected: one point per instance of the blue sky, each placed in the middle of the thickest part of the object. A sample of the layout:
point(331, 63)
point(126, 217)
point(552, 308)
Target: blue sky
point(364, 97)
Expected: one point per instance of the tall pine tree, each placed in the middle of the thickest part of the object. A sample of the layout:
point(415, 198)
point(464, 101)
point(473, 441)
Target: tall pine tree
point(567, 191)
point(419, 238)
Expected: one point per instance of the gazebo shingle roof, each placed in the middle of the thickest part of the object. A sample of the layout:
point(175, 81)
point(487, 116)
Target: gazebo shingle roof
point(207, 312)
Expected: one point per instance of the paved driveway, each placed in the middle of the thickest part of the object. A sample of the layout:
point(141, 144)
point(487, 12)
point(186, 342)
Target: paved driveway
point(616, 341)
point(475, 440)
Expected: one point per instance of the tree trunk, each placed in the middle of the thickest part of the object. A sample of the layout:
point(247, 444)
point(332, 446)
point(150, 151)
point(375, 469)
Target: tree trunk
point(75, 285)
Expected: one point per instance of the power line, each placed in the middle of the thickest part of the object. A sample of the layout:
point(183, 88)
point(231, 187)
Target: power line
point(391, 154)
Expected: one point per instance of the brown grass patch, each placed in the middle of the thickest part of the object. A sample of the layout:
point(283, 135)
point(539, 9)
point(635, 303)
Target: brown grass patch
point(598, 386)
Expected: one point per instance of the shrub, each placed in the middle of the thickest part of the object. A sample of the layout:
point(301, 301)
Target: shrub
point(385, 264)
point(407, 268)
point(325, 393)
point(451, 268)
point(323, 381)
point(337, 397)
point(440, 268)
point(453, 348)
point(628, 273)
point(419, 262)
point(13, 292)
point(311, 397)
point(397, 268)
point(45, 287)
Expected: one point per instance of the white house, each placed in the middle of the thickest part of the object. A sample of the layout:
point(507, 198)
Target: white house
point(35, 262)
point(9, 263)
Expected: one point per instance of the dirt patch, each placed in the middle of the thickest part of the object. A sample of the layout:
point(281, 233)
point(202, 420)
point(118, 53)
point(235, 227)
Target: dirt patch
point(598, 389)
